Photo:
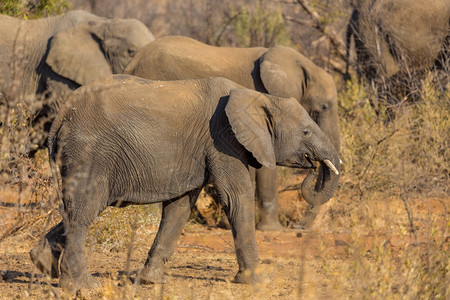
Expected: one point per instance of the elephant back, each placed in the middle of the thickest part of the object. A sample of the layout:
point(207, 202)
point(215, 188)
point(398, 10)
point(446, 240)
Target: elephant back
point(180, 58)
point(417, 42)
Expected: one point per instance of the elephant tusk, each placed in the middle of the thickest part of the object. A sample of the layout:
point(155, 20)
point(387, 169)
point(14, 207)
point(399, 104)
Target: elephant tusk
point(331, 166)
point(340, 161)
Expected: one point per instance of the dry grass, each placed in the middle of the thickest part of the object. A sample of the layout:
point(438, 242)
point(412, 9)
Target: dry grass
point(394, 189)
point(407, 157)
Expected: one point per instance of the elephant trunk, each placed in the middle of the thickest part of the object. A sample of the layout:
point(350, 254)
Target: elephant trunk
point(318, 187)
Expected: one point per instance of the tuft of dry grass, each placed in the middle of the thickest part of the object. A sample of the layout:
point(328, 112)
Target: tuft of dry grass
point(118, 228)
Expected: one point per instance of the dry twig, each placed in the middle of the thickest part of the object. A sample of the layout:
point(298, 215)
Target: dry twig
point(336, 43)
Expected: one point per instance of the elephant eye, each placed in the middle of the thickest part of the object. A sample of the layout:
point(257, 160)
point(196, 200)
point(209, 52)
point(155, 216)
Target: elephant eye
point(306, 132)
point(131, 52)
point(324, 106)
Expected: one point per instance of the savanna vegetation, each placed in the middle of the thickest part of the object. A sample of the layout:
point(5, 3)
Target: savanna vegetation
point(388, 222)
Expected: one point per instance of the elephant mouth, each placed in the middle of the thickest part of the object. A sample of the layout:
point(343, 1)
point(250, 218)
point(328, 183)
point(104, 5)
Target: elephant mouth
point(303, 161)
point(309, 163)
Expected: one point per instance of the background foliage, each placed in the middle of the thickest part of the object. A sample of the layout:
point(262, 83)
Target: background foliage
point(31, 9)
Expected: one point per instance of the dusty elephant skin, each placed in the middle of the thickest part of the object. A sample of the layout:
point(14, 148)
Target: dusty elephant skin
point(128, 140)
point(394, 36)
point(279, 71)
point(58, 54)
point(74, 48)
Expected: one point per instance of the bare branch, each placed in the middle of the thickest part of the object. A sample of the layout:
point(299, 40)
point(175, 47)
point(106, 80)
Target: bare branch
point(224, 27)
point(336, 43)
point(334, 65)
point(292, 187)
point(300, 22)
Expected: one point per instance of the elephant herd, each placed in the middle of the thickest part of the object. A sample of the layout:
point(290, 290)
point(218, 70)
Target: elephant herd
point(139, 120)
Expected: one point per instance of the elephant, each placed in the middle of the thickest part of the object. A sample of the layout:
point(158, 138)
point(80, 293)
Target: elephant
point(127, 140)
point(279, 71)
point(56, 55)
point(397, 39)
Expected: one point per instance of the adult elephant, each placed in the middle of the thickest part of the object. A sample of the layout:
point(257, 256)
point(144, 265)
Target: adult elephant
point(396, 38)
point(124, 140)
point(279, 71)
point(58, 54)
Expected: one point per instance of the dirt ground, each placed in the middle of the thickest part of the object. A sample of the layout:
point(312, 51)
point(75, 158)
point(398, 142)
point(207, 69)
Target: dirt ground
point(292, 262)
point(202, 267)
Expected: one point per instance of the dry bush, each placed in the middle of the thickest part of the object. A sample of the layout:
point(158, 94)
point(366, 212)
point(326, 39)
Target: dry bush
point(24, 172)
point(211, 22)
point(406, 156)
point(390, 170)
point(25, 177)
point(114, 230)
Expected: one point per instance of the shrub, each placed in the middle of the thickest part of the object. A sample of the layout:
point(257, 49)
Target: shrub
point(32, 9)
point(262, 26)
point(390, 168)
point(21, 175)
point(407, 155)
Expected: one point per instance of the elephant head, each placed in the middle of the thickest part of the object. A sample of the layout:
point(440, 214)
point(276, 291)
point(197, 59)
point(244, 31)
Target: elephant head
point(279, 131)
point(95, 49)
point(286, 73)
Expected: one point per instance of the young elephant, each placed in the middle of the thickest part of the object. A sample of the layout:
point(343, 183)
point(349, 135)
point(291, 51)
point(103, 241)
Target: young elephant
point(126, 140)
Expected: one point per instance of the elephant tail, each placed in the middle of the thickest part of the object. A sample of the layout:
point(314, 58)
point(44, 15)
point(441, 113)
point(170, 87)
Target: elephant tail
point(52, 154)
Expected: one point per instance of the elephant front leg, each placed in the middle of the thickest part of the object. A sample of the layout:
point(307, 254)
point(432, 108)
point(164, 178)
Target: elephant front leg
point(174, 216)
point(266, 181)
point(45, 255)
point(240, 212)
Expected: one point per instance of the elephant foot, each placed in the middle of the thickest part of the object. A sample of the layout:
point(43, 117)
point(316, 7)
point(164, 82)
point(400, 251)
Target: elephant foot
point(246, 277)
point(72, 284)
point(44, 259)
point(150, 274)
point(269, 225)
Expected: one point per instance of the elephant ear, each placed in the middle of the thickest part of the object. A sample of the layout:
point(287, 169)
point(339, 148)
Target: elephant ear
point(75, 54)
point(249, 115)
point(283, 72)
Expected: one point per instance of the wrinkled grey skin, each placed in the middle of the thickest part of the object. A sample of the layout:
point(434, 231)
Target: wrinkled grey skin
point(279, 71)
point(75, 48)
point(393, 36)
point(127, 140)
point(58, 54)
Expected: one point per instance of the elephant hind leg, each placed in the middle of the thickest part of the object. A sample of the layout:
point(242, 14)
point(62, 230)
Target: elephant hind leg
point(174, 216)
point(86, 199)
point(45, 255)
